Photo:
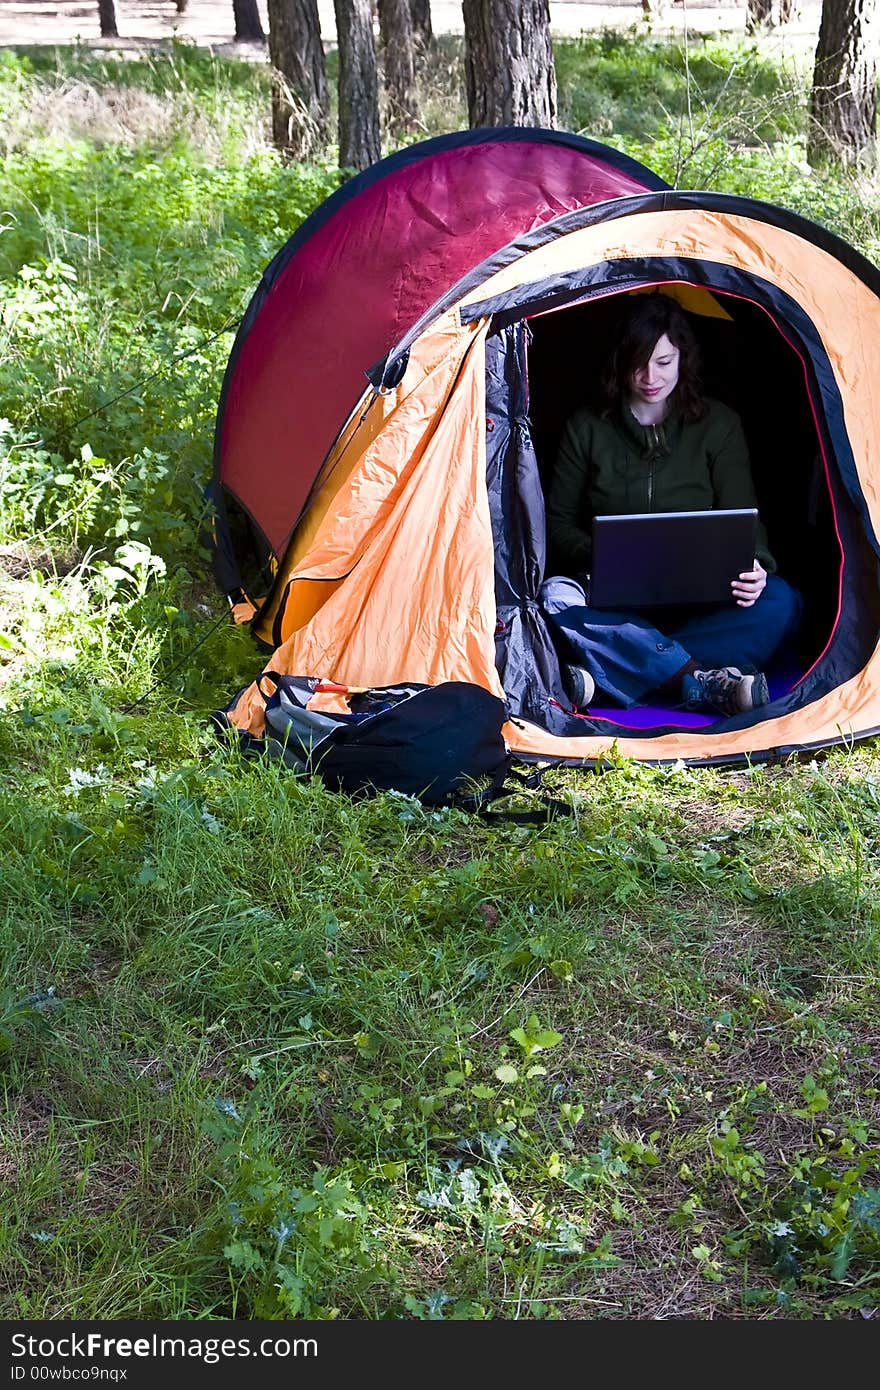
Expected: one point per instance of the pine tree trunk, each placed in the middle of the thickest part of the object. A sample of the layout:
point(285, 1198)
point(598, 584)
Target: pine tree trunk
point(300, 98)
point(358, 85)
point(509, 71)
point(248, 27)
point(843, 104)
point(420, 11)
point(107, 19)
point(758, 13)
point(399, 62)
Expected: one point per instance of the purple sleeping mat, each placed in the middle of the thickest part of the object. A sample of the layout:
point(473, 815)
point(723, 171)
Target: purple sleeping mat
point(665, 716)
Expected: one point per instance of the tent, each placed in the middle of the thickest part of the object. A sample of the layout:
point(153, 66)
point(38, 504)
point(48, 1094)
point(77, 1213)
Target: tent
point(397, 388)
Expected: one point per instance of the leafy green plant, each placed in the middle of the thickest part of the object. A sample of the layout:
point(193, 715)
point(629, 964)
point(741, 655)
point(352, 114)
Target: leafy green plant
point(292, 1248)
point(22, 1019)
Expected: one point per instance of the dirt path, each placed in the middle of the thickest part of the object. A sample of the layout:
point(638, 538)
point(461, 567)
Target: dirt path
point(143, 23)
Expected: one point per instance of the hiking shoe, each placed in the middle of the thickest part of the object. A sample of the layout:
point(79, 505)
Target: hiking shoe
point(579, 685)
point(726, 690)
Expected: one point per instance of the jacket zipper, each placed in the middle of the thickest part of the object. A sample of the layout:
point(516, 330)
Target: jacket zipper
point(651, 470)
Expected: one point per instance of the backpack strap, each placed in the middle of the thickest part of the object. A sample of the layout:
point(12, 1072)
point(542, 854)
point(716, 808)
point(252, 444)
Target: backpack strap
point(483, 801)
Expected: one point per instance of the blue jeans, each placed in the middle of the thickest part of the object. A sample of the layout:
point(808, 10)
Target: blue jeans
point(628, 656)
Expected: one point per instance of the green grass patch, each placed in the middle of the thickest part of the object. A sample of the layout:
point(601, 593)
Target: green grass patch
point(267, 1052)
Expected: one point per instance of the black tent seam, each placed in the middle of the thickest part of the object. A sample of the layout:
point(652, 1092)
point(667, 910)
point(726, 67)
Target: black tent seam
point(401, 159)
point(710, 275)
point(661, 199)
point(613, 209)
point(790, 319)
point(720, 761)
point(426, 149)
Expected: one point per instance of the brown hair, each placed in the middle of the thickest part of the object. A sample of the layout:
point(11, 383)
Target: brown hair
point(643, 321)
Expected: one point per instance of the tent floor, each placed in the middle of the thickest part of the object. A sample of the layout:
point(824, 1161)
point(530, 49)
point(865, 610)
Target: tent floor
point(642, 717)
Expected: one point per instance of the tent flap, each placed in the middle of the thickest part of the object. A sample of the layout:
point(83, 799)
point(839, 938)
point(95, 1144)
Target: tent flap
point(407, 518)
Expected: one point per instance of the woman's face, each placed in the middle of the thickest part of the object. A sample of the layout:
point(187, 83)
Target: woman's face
point(657, 380)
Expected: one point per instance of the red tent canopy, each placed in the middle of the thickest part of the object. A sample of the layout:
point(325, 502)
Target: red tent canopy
point(360, 271)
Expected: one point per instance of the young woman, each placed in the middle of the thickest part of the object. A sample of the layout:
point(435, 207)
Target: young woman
point(658, 444)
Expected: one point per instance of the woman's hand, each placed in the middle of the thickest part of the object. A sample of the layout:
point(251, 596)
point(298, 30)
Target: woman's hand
point(749, 586)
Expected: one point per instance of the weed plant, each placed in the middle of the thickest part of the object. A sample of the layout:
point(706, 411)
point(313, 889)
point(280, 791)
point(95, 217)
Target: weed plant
point(268, 1052)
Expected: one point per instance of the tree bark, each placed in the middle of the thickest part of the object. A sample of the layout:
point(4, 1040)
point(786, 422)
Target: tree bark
point(420, 11)
point(843, 103)
point(300, 98)
point(107, 19)
point(248, 27)
point(358, 85)
point(399, 61)
point(509, 70)
point(758, 14)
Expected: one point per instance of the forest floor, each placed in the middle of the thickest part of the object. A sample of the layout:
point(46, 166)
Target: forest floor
point(144, 23)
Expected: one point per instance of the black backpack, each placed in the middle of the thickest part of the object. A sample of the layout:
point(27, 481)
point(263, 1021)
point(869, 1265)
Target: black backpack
point(440, 743)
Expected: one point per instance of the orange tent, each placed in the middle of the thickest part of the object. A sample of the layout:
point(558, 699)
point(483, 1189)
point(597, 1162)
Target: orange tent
point(418, 550)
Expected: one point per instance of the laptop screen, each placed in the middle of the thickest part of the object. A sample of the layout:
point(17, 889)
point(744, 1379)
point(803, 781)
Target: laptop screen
point(660, 558)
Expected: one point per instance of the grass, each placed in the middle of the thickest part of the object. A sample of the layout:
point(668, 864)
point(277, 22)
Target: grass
point(267, 1052)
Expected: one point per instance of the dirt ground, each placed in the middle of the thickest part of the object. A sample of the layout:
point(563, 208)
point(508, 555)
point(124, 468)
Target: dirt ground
point(144, 23)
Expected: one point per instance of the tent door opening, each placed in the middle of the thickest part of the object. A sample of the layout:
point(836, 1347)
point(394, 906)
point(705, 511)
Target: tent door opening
point(538, 373)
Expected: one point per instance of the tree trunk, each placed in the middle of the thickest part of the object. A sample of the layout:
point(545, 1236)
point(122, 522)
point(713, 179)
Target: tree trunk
point(300, 99)
point(420, 10)
point(509, 71)
point(180, 5)
point(399, 61)
point(107, 19)
point(358, 85)
point(248, 28)
point(758, 14)
point(843, 104)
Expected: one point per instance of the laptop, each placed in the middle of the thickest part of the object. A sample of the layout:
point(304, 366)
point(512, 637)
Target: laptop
point(651, 559)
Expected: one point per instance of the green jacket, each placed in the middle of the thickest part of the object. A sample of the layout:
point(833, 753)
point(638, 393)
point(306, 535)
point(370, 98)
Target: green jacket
point(615, 465)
